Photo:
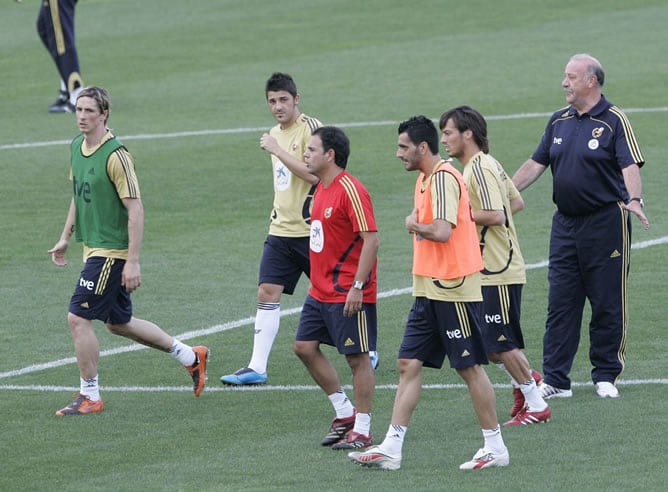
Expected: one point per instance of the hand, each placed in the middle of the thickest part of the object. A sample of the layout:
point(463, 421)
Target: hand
point(269, 143)
point(634, 207)
point(353, 303)
point(58, 252)
point(131, 276)
point(412, 221)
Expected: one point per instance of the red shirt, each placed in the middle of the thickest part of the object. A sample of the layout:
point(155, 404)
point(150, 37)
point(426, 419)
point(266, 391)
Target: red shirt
point(340, 211)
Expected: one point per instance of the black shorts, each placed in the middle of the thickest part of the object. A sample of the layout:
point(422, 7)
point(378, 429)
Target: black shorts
point(501, 330)
point(99, 293)
point(324, 322)
point(438, 328)
point(284, 259)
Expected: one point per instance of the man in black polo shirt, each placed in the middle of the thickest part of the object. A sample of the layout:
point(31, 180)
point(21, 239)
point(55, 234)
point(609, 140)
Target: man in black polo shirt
point(595, 162)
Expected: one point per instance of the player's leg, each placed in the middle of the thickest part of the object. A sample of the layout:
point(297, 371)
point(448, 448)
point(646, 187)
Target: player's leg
point(566, 298)
point(311, 333)
point(354, 336)
point(606, 240)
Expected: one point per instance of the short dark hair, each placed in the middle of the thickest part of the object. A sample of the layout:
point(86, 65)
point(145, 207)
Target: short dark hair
point(280, 81)
point(420, 129)
point(334, 138)
point(466, 118)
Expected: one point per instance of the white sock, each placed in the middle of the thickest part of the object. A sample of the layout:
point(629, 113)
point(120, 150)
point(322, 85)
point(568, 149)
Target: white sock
point(63, 86)
point(493, 440)
point(267, 320)
point(183, 353)
point(90, 387)
point(342, 405)
point(363, 424)
point(532, 396)
point(394, 440)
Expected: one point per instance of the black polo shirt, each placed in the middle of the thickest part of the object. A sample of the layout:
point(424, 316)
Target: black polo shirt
point(586, 155)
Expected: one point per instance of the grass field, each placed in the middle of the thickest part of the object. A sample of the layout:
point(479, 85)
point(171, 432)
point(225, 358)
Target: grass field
point(187, 80)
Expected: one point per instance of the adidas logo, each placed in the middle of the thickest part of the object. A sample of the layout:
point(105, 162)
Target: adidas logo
point(85, 305)
point(465, 353)
point(348, 342)
point(91, 170)
point(502, 338)
point(615, 254)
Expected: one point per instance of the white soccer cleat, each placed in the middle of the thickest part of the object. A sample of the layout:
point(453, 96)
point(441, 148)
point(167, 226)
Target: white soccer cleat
point(486, 459)
point(375, 458)
point(604, 389)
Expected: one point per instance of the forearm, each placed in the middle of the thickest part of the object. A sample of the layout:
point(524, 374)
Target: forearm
point(528, 172)
point(135, 231)
point(632, 181)
point(296, 166)
point(68, 229)
point(368, 256)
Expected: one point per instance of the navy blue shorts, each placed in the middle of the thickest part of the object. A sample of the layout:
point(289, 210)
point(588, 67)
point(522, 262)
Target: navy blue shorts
point(284, 259)
point(99, 293)
point(324, 322)
point(501, 307)
point(438, 328)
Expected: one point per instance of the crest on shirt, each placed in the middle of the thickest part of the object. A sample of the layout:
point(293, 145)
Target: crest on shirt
point(294, 147)
point(328, 212)
point(597, 132)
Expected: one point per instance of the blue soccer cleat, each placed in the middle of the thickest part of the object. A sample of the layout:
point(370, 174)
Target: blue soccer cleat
point(244, 376)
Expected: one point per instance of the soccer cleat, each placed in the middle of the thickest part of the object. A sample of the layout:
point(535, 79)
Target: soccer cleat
point(547, 392)
point(486, 459)
point(339, 430)
point(354, 440)
point(375, 458)
point(62, 104)
point(518, 396)
point(605, 389)
point(537, 377)
point(518, 402)
point(244, 376)
point(375, 359)
point(198, 369)
point(82, 405)
point(526, 417)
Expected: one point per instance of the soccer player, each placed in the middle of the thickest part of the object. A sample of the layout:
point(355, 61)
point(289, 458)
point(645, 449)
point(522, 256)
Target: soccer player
point(55, 26)
point(107, 215)
point(285, 256)
point(494, 200)
point(595, 161)
point(446, 312)
point(340, 309)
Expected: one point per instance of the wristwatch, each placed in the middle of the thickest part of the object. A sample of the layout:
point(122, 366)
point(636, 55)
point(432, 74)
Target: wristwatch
point(639, 200)
point(358, 284)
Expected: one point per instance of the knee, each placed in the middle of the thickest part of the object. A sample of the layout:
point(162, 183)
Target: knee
point(77, 324)
point(304, 350)
point(269, 293)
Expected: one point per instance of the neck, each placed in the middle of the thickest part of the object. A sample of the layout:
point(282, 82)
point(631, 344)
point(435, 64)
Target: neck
point(330, 175)
point(430, 164)
point(287, 125)
point(467, 155)
point(95, 137)
point(587, 104)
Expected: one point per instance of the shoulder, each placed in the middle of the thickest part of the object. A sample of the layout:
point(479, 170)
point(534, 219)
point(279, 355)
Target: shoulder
point(309, 122)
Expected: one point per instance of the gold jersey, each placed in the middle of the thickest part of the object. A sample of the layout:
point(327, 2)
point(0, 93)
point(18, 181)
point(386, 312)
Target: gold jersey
point(490, 188)
point(291, 215)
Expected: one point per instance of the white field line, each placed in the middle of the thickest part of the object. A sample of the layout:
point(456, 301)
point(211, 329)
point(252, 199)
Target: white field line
point(232, 131)
point(299, 387)
point(247, 321)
